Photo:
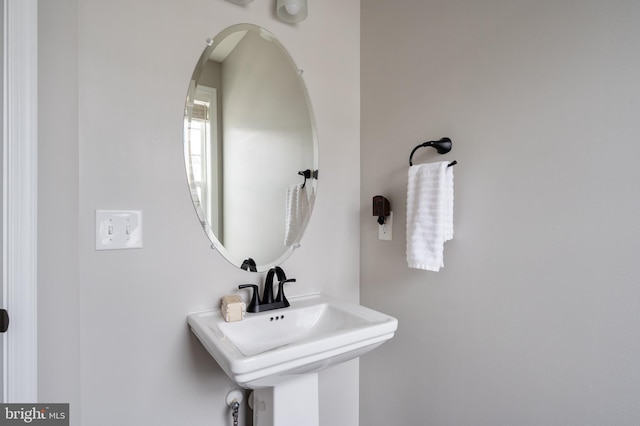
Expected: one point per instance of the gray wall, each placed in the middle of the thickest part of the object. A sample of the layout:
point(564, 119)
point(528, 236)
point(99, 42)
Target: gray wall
point(113, 338)
point(58, 214)
point(536, 316)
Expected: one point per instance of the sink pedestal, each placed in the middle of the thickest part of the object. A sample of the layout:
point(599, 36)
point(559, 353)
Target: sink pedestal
point(290, 403)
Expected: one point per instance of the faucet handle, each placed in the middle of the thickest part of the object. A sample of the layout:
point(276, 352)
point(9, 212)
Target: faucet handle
point(255, 300)
point(281, 297)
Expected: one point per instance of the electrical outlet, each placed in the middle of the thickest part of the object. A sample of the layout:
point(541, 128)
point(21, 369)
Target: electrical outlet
point(384, 231)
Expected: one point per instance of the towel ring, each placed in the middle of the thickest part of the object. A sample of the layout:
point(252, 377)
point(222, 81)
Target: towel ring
point(308, 174)
point(442, 146)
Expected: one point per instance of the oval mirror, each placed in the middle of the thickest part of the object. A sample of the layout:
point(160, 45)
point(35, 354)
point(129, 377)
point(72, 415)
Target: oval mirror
point(250, 147)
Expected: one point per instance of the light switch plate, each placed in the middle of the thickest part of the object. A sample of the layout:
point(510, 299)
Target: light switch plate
point(118, 229)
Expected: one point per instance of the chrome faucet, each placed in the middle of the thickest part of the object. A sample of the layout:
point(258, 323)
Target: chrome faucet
point(268, 303)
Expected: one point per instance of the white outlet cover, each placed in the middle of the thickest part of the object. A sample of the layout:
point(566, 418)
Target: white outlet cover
point(385, 231)
point(118, 229)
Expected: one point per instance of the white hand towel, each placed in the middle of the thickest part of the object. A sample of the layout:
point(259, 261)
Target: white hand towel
point(429, 214)
point(297, 208)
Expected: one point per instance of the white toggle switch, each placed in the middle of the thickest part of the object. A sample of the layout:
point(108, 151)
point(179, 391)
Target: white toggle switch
point(118, 229)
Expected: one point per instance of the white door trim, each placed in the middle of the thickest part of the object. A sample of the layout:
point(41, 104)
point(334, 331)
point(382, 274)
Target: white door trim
point(20, 199)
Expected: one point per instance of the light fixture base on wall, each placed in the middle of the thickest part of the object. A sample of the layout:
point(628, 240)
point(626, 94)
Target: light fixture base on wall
point(241, 1)
point(292, 11)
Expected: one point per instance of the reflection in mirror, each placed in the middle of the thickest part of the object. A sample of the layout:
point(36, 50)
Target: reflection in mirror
point(249, 141)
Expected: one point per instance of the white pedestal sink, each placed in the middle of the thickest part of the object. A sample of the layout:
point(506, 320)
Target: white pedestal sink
point(278, 353)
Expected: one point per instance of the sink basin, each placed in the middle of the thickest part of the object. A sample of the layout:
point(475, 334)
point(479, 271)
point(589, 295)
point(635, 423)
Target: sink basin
point(268, 348)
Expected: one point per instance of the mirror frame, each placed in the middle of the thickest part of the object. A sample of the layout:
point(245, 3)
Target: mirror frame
point(232, 258)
